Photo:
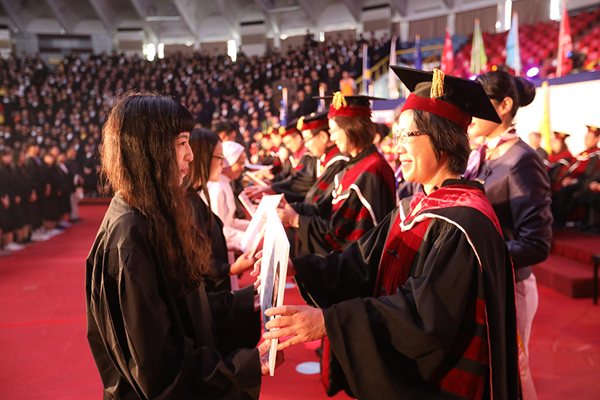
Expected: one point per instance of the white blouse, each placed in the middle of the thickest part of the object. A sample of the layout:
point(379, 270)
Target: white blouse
point(222, 202)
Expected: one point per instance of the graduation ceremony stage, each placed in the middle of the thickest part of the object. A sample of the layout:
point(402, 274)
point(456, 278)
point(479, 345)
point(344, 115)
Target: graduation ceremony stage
point(45, 355)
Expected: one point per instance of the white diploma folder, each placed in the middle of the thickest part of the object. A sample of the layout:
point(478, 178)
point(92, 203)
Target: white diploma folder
point(273, 271)
point(253, 233)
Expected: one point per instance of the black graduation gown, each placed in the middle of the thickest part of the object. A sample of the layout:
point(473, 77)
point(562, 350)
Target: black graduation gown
point(298, 183)
point(219, 259)
point(363, 194)
point(393, 346)
point(317, 200)
point(145, 340)
point(33, 167)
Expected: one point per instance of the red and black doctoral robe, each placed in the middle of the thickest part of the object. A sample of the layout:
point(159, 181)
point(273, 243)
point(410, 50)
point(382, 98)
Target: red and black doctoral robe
point(317, 200)
point(558, 166)
point(579, 166)
point(363, 194)
point(422, 306)
point(302, 177)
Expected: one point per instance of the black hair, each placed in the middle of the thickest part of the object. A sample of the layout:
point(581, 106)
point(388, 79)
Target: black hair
point(223, 127)
point(445, 136)
point(499, 85)
point(203, 143)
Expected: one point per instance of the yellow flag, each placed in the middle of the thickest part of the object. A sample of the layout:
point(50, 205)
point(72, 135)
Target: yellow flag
point(545, 121)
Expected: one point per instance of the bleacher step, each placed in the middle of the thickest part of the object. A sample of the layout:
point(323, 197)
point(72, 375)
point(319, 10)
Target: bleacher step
point(567, 276)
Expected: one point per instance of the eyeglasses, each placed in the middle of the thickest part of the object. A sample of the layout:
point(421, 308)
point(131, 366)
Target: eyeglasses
point(309, 139)
point(222, 158)
point(402, 136)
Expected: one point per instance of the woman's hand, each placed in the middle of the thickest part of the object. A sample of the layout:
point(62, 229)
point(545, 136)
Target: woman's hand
point(243, 263)
point(291, 271)
point(303, 323)
point(263, 351)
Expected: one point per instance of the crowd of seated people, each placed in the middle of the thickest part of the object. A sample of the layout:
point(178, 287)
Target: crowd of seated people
point(49, 114)
point(574, 180)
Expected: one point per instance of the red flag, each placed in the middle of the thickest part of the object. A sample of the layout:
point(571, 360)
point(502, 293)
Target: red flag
point(565, 45)
point(447, 54)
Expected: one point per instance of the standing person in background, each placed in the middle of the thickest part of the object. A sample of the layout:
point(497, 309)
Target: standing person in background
point(152, 328)
point(347, 84)
point(74, 168)
point(517, 185)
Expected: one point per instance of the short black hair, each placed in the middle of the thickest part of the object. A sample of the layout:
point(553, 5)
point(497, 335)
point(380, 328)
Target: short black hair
point(447, 137)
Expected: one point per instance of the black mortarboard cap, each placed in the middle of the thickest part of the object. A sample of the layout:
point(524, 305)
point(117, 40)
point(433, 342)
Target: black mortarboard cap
point(349, 106)
point(466, 95)
point(313, 121)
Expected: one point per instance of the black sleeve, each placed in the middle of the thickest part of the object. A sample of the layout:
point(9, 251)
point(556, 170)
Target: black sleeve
point(339, 276)
point(295, 186)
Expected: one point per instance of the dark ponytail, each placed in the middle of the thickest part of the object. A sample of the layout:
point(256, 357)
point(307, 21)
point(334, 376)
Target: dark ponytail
point(499, 85)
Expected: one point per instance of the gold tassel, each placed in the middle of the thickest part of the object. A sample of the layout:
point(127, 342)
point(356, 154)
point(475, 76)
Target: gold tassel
point(300, 124)
point(437, 85)
point(338, 101)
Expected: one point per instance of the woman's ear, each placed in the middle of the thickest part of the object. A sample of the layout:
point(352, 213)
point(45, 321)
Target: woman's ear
point(506, 106)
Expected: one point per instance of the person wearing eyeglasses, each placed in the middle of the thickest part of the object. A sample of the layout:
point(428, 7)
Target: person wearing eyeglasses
point(222, 199)
point(205, 168)
point(423, 305)
point(362, 194)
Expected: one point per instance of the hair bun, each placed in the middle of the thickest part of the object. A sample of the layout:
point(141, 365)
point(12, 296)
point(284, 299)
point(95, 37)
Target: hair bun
point(525, 89)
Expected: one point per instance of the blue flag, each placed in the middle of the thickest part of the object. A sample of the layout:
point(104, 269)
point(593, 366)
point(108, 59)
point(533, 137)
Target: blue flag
point(418, 58)
point(513, 54)
point(284, 107)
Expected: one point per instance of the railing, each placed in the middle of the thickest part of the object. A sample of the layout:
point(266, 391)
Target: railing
point(382, 66)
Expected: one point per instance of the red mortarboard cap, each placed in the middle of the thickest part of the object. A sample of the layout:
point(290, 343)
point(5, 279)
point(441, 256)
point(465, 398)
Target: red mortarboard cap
point(289, 129)
point(594, 129)
point(349, 106)
point(313, 121)
point(450, 97)
point(560, 135)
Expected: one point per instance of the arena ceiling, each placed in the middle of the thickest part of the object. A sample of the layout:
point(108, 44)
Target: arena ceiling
point(185, 21)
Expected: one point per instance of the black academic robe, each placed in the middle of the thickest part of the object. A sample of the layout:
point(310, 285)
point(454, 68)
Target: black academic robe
point(298, 183)
point(146, 342)
point(317, 200)
point(433, 335)
point(363, 194)
point(219, 259)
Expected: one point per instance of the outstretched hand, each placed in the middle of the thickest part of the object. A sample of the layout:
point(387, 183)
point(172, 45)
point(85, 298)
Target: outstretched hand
point(243, 263)
point(263, 352)
point(303, 323)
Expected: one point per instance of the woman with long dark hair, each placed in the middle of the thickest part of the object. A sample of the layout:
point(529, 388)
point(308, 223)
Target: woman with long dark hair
point(207, 167)
point(517, 184)
point(151, 326)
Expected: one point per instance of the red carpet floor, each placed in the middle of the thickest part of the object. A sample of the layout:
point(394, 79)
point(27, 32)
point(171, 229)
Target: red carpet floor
point(44, 352)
